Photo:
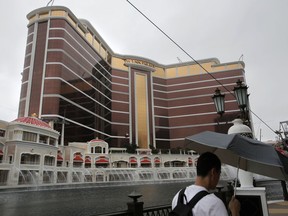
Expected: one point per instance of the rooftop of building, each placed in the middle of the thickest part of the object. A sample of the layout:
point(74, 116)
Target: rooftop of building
point(32, 120)
point(87, 30)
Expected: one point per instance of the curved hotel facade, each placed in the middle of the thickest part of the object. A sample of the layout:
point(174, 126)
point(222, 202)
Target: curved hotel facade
point(73, 80)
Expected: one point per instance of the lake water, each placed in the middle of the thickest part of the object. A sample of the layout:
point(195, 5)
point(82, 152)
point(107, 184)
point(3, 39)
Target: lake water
point(94, 200)
point(84, 201)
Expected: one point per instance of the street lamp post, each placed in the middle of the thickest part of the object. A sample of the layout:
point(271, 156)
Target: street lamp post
point(240, 92)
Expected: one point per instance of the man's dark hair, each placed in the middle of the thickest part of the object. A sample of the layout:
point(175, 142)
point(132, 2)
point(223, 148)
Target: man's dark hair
point(206, 162)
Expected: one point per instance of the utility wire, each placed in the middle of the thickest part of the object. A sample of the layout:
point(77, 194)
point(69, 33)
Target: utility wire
point(50, 2)
point(174, 42)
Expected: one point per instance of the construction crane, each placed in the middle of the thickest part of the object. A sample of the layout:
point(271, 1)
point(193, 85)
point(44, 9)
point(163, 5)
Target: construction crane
point(283, 130)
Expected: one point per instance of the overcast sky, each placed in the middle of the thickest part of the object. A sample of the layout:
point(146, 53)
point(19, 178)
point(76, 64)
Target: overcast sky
point(224, 29)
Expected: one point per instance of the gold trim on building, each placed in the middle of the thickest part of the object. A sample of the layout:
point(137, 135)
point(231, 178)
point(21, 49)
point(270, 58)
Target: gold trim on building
point(142, 110)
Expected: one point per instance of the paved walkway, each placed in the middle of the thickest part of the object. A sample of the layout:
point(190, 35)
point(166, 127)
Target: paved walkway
point(278, 208)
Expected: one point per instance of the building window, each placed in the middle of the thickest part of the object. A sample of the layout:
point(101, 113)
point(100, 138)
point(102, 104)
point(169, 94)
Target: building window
point(59, 163)
point(2, 133)
point(30, 159)
point(49, 161)
point(15, 135)
point(52, 141)
point(43, 139)
point(10, 159)
point(28, 136)
point(98, 149)
point(92, 148)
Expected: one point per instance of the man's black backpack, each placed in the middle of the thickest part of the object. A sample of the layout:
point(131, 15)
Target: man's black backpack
point(182, 209)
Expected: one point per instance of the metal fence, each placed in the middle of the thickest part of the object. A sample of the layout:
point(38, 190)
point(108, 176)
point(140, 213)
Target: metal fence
point(135, 208)
point(157, 211)
point(150, 211)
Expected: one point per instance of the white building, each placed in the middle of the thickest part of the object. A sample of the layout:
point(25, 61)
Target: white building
point(30, 155)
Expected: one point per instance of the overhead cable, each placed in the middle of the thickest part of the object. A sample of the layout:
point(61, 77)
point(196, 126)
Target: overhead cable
point(181, 48)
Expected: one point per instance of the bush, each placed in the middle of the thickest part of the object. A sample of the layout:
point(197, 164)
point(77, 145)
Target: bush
point(131, 148)
point(153, 149)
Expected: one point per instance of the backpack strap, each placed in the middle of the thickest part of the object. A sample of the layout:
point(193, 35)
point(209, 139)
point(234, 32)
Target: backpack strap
point(196, 198)
point(181, 197)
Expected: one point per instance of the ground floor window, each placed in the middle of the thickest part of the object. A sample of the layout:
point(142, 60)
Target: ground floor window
point(4, 177)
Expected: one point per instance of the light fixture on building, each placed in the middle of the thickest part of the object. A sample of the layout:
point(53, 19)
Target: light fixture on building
point(240, 91)
point(219, 102)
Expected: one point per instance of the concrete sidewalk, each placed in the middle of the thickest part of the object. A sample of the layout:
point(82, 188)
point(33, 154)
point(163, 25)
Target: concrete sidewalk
point(279, 208)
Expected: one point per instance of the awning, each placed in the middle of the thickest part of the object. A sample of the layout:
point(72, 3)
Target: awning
point(102, 160)
point(78, 159)
point(59, 158)
point(1, 152)
point(145, 161)
point(87, 160)
point(157, 160)
point(133, 161)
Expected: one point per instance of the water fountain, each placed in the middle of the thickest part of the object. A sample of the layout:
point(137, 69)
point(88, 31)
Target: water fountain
point(70, 175)
point(87, 175)
point(120, 175)
point(61, 177)
point(48, 177)
point(179, 174)
point(28, 177)
point(76, 176)
point(163, 175)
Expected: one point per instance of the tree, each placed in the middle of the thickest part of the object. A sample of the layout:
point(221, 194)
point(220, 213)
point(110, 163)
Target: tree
point(131, 148)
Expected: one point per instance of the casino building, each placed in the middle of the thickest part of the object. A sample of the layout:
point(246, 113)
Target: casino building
point(74, 81)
